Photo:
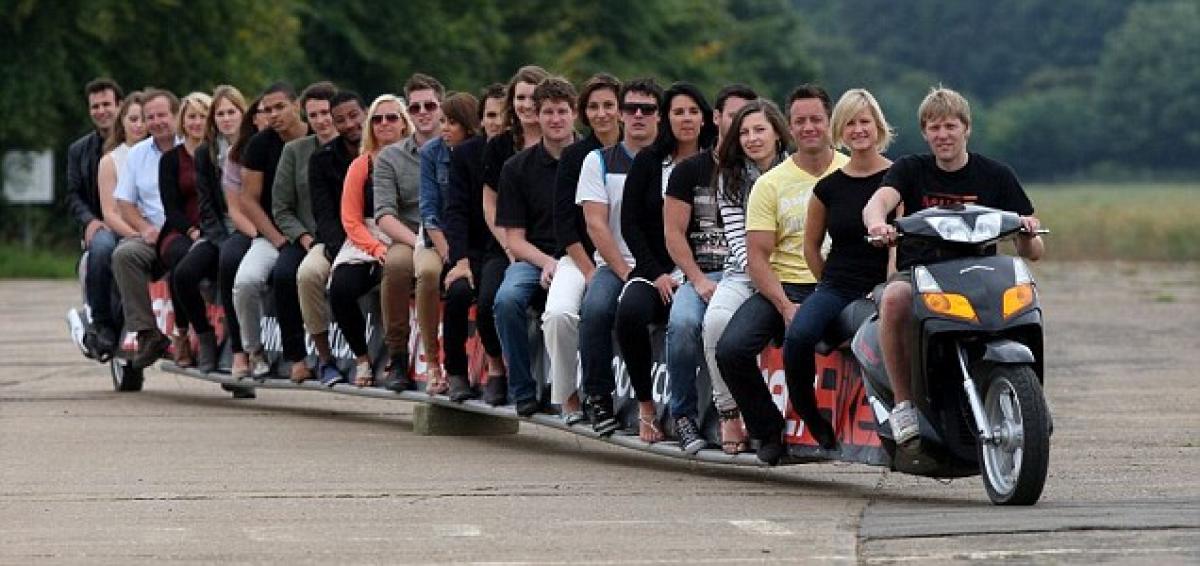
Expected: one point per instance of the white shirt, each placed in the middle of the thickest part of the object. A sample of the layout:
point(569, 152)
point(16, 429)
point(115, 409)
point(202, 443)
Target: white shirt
point(137, 182)
point(607, 188)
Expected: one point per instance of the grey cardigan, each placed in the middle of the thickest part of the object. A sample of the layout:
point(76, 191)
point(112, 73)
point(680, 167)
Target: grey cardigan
point(291, 200)
point(397, 182)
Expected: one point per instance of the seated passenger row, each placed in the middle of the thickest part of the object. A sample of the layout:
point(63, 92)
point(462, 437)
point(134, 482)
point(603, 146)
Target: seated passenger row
point(670, 213)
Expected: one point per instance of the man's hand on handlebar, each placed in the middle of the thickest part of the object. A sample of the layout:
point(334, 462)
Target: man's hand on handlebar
point(881, 235)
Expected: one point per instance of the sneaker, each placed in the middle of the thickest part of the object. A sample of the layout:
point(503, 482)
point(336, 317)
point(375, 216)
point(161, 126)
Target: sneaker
point(528, 407)
point(152, 344)
point(329, 374)
point(260, 370)
point(90, 347)
point(690, 440)
point(495, 392)
point(460, 389)
point(397, 380)
point(206, 353)
point(905, 424)
point(572, 418)
point(604, 420)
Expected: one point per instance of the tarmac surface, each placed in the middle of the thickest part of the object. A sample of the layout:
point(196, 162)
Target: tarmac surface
point(181, 472)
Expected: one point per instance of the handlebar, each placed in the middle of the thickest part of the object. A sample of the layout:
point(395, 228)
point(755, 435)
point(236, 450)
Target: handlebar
point(873, 239)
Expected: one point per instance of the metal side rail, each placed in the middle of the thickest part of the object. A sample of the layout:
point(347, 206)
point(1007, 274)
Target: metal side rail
point(667, 448)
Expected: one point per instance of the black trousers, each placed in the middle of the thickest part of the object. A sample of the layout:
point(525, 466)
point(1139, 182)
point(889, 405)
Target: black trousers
point(488, 274)
point(348, 282)
point(201, 262)
point(233, 249)
point(287, 300)
point(755, 325)
point(639, 306)
point(169, 255)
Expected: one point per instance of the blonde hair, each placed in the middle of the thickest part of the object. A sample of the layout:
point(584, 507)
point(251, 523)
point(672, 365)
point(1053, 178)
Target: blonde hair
point(848, 106)
point(369, 143)
point(201, 100)
point(943, 103)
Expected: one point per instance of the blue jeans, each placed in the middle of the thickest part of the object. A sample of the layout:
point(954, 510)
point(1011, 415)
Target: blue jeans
point(685, 347)
point(597, 316)
point(820, 309)
point(99, 280)
point(522, 282)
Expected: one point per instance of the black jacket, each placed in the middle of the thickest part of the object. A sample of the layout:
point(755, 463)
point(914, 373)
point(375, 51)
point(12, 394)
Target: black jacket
point(83, 190)
point(175, 204)
point(210, 193)
point(465, 228)
point(326, 172)
point(569, 224)
point(642, 216)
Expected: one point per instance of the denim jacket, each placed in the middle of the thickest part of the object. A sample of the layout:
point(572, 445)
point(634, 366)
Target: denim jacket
point(435, 179)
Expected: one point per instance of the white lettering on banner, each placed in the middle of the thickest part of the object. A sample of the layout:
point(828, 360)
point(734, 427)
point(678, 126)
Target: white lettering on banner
point(161, 308)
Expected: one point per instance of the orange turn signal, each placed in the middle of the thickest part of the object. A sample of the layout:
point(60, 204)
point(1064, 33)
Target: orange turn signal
point(950, 304)
point(1016, 298)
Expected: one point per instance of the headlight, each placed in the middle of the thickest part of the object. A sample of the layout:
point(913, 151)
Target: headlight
point(950, 228)
point(987, 226)
point(950, 304)
point(1016, 298)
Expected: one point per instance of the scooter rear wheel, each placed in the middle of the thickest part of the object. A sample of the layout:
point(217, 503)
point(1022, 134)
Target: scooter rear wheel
point(1016, 463)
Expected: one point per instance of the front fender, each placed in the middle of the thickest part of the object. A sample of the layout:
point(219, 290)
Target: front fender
point(1004, 351)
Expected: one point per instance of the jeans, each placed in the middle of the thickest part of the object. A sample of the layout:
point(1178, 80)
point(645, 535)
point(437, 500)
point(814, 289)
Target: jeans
point(98, 282)
point(732, 291)
point(752, 328)
point(250, 289)
point(521, 286)
point(560, 327)
point(807, 328)
point(685, 348)
point(233, 249)
point(598, 317)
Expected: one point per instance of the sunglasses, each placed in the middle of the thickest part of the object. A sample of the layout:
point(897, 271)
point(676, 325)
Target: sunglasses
point(646, 108)
point(379, 118)
point(428, 106)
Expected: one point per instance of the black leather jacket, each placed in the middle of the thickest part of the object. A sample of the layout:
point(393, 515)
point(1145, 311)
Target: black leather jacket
point(83, 165)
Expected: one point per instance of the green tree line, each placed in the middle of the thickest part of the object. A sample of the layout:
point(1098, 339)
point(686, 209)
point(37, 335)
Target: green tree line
point(1061, 88)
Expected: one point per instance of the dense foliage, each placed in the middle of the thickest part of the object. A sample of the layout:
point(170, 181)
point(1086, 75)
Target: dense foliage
point(1060, 88)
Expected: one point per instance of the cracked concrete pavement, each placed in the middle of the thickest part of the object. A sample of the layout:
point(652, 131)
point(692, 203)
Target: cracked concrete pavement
point(181, 472)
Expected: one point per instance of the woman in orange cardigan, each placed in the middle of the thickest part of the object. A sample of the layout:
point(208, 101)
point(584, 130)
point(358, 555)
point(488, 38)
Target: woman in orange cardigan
point(358, 265)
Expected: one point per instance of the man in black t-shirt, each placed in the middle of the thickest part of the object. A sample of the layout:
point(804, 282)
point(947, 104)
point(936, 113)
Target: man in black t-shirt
point(950, 175)
point(259, 162)
point(525, 209)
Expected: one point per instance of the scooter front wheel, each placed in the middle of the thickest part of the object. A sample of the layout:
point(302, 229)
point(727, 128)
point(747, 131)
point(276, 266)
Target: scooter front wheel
point(1016, 462)
point(125, 377)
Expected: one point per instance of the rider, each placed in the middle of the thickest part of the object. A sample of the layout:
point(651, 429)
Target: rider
point(950, 175)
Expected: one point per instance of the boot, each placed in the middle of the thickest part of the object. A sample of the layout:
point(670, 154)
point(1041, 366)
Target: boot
point(206, 356)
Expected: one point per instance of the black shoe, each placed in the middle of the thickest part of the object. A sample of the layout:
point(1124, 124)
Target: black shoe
point(103, 342)
point(397, 380)
point(604, 420)
point(690, 440)
point(460, 389)
point(771, 451)
point(206, 354)
point(529, 407)
point(495, 392)
point(152, 344)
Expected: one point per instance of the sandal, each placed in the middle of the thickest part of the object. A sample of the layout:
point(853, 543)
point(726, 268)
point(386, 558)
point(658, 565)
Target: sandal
point(182, 346)
point(364, 374)
point(435, 381)
point(648, 430)
point(733, 433)
point(300, 373)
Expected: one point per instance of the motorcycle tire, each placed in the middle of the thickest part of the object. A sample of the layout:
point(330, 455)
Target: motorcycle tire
point(1014, 468)
point(125, 377)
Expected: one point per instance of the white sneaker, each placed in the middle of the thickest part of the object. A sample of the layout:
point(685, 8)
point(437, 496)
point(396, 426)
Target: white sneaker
point(905, 424)
point(259, 368)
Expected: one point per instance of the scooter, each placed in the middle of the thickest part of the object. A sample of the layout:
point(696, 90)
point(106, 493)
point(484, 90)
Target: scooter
point(977, 364)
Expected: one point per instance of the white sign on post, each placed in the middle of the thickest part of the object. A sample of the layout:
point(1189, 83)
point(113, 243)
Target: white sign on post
point(29, 177)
